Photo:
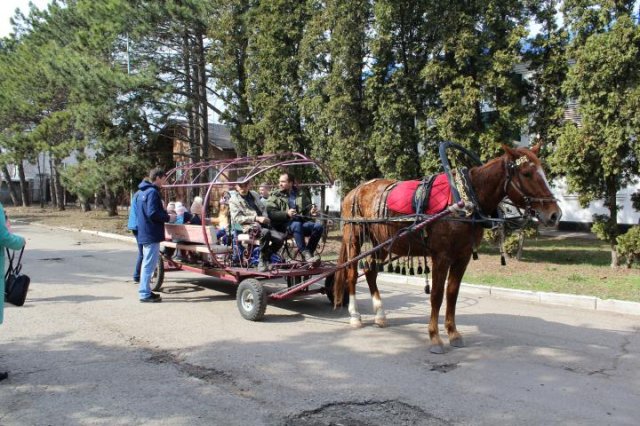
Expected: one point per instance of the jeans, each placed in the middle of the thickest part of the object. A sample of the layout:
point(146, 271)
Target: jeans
point(151, 254)
point(136, 271)
point(309, 229)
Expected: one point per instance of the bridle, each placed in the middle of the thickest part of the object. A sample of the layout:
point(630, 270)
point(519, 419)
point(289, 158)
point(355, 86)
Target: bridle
point(511, 168)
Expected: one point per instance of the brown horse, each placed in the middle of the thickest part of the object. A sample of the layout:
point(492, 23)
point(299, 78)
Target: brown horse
point(516, 174)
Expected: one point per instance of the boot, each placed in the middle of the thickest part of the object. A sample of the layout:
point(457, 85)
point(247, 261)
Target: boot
point(263, 265)
point(310, 258)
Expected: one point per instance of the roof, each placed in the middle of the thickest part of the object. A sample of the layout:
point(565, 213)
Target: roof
point(220, 137)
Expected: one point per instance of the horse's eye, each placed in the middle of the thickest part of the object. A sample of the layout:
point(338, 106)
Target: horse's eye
point(527, 174)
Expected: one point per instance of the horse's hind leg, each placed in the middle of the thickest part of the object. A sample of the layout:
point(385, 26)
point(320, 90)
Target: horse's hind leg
point(438, 277)
point(453, 287)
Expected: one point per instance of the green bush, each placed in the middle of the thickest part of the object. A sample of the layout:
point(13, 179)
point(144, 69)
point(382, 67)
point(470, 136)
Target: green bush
point(603, 228)
point(629, 245)
point(511, 244)
point(513, 236)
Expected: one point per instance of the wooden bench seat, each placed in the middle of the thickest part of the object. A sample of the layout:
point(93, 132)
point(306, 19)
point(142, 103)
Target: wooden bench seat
point(191, 238)
point(188, 233)
point(199, 248)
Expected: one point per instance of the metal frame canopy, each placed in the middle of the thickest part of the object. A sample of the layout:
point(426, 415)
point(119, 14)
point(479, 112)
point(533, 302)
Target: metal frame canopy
point(226, 173)
point(239, 170)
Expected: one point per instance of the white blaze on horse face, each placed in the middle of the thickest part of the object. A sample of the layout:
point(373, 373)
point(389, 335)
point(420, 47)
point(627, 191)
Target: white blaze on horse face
point(544, 178)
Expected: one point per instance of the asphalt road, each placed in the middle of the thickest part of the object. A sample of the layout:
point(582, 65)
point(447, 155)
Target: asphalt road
point(83, 350)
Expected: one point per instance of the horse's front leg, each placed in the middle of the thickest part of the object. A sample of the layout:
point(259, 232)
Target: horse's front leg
point(354, 316)
point(438, 277)
point(371, 274)
point(456, 273)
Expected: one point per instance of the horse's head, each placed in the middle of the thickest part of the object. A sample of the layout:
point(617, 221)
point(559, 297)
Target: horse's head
point(527, 186)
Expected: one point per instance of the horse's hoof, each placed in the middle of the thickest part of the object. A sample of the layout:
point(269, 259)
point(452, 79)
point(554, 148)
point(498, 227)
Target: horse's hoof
point(458, 342)
point(436, 349)
point(380, 322)
point(355, 323)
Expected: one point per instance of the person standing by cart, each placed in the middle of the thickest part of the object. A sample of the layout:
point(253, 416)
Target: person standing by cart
point(150, 217)
point(11, 241)
point(291, 210)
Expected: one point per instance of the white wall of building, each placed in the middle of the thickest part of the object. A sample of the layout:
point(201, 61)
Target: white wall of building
point(573, 212)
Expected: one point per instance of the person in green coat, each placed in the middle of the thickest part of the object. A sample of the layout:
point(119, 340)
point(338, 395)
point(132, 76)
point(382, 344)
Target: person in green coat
point(291, 211)
point(13, 242)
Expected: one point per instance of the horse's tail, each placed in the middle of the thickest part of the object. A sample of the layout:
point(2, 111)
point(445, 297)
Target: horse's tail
point(340, 279)
point(348, 211)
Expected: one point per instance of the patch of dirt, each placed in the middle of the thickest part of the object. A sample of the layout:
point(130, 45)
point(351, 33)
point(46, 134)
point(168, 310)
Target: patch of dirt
point(72, 217)
point(367, 413)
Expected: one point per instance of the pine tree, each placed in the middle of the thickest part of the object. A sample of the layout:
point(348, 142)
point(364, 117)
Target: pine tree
point(547, 59)
point(479, 102)
point(599, 155)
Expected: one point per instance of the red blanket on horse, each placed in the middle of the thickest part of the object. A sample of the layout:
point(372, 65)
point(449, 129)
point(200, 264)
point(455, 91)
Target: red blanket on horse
point(401, 197)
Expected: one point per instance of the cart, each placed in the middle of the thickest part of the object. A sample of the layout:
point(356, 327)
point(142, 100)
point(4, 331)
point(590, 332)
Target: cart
point(232, 260)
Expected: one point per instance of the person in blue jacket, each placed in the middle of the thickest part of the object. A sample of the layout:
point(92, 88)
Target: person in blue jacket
point(132, 225)
point(13, 242)
point(150, 219)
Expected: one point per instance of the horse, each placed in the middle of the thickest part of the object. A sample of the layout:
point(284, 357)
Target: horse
point(516, 174)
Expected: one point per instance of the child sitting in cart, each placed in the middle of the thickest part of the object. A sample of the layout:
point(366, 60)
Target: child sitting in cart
point(171, 210)
point(196, 211)
point(223, 220)
point(182, 214)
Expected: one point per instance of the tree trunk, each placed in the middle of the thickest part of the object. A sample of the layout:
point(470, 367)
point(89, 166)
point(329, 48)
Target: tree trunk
point(613, 219)
point(110, 202)
point(57, 185)
point(24, 188)
point(52, 188)
point(188, 84)
point(520, 245)
point(41, 181)
point(203, 114)
point(85, 205)
point(12, 191)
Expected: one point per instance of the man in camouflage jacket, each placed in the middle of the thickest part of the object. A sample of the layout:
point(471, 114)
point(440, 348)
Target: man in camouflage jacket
point(248, 214)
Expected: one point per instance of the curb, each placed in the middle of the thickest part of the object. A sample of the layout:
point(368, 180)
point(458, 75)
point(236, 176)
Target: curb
point(558, 299)
point(84, 231)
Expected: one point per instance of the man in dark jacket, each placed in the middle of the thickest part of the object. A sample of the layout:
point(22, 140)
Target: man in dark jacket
point(290, 210)
point(150, 217)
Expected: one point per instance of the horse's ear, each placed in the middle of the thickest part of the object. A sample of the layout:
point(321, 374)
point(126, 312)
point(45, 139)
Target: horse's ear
point(509, 150)
point(536, 148)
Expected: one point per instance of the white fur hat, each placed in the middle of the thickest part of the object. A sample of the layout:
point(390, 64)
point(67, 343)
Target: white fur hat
point(180, 208)
point(196, 206)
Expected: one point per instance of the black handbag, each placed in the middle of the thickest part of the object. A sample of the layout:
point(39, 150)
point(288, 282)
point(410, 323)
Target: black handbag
point(16, 284)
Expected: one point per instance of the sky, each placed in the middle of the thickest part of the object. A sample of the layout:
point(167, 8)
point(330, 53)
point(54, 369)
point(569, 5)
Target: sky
point(7, 9)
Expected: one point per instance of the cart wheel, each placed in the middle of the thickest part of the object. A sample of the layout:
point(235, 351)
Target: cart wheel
point(328, 286)
point(251, 299)
point(158, 276)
